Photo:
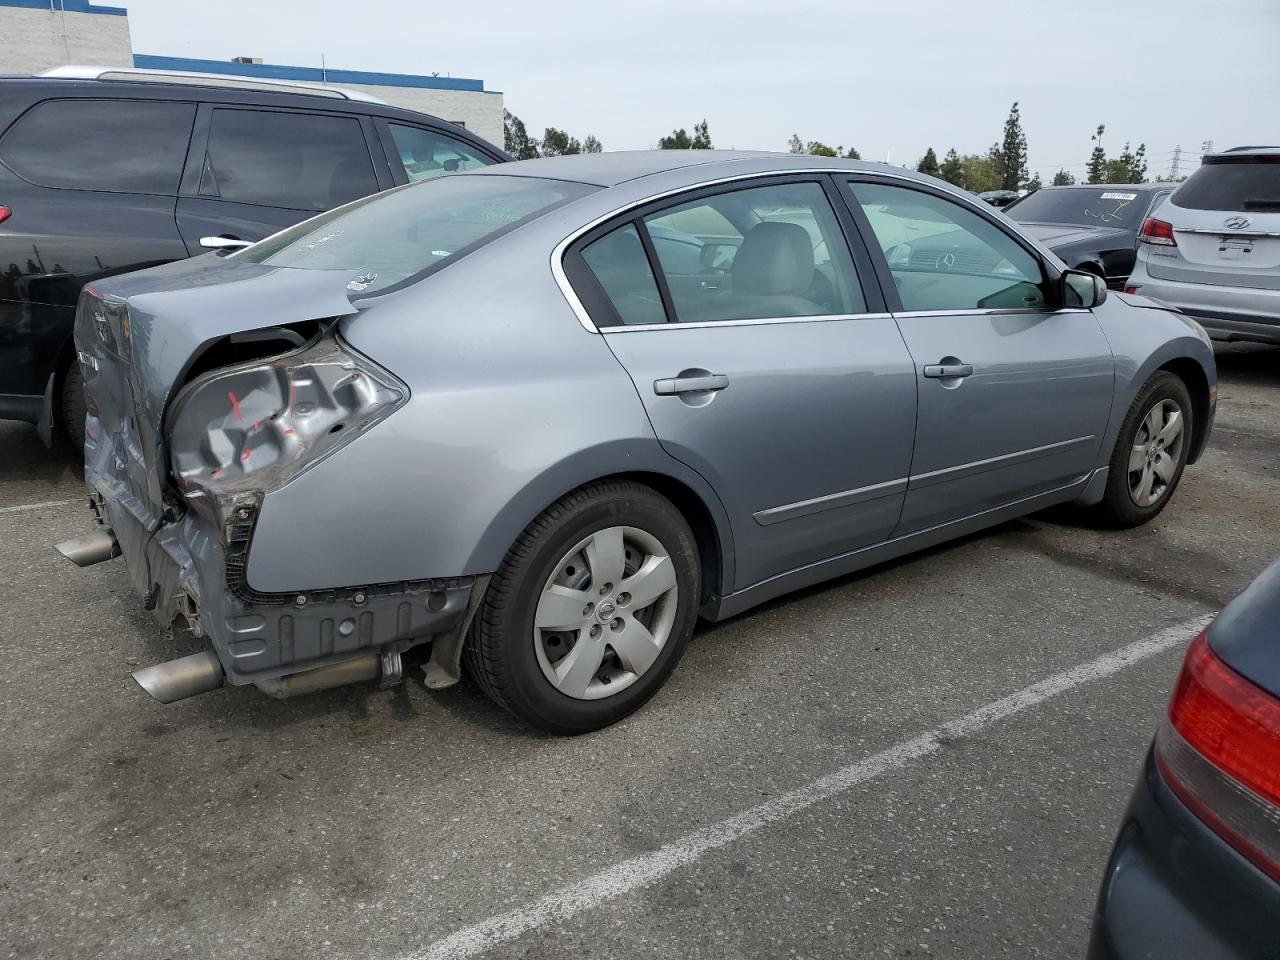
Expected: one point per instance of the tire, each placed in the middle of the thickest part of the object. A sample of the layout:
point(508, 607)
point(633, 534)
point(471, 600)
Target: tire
point(73, 406)
point(1123, 504)
point(561, 561)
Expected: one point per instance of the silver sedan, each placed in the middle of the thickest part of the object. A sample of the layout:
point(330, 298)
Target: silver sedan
point(537, 419)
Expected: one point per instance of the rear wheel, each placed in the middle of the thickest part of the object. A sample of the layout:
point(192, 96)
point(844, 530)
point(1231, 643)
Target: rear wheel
point(73, 406)
point(1150, 454)
point(590, 611)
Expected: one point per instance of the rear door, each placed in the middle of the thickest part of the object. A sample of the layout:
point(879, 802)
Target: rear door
point(765, 361)
point(90, 184)
point(1014, 390)
point(256, 170)
point(1226, 222)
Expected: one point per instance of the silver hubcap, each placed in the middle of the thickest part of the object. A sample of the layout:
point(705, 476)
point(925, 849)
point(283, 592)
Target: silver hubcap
point(1157, 449)
point(605, 613)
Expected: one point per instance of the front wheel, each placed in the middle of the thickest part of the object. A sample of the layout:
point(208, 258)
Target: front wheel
point(1150, 454)
point(590, 610)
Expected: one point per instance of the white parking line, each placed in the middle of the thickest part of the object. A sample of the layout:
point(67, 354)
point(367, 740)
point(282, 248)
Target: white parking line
point(629, 875)
point(36, 506)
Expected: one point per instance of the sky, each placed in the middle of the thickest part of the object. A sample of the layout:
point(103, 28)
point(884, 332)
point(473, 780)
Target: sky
point(891, 78)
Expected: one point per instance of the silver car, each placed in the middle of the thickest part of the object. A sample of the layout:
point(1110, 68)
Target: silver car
point(538, 419)
point(1213, 248)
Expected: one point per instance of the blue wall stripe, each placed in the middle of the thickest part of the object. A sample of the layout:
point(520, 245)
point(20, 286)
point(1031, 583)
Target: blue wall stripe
point(70, 6)
point(272, 71)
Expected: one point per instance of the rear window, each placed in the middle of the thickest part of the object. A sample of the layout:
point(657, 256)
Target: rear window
point(400, 236)
point(121, 146)
point(1111, 206)
point(1236, 183)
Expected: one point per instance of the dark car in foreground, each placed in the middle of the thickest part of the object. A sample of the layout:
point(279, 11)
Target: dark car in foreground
point(104, 171)
point(1093, 228)
point(1195, 873)
point(545, 414)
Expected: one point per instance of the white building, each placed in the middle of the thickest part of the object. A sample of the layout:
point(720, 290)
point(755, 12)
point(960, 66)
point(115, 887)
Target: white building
point(36, 35)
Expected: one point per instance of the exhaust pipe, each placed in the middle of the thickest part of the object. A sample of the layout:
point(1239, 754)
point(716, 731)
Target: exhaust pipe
point(322, 678)
point(178, 679)
point(85, 551)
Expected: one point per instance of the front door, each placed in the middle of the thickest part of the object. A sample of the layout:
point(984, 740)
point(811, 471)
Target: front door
point(1014, 391)
point(763, 367)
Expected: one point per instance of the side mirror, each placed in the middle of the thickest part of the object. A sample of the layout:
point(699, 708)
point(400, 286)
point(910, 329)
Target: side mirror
point(1082, 289)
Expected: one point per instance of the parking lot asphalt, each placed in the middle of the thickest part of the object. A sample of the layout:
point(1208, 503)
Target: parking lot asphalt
point(360, 823)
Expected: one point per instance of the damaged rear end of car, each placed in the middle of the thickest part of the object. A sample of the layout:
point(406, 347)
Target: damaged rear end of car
point(197, 410)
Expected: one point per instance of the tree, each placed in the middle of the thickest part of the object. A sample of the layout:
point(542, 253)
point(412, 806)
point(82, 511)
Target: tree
point(1063, 179)
point(816, 148)
point(1034, 184)
point(795, 144)
point(1013, 152)
point(591, 145)
point(928, 163)
point(701, 136)
point(952, 170)
point(1097, 158)
point(1129, 167)
point(516, 138)
point(983, 171)
point(852, 154)
point(558, 143)
point(680, 139)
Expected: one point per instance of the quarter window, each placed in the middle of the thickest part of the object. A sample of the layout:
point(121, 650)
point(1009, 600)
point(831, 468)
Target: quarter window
point(620, 266)
point(297, 161)
point(122, 146)
point(945, 257)
point(424, 154)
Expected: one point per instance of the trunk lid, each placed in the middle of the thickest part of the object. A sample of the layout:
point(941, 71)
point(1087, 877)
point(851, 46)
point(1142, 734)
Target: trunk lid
point(138, 335)
point(1244, 634)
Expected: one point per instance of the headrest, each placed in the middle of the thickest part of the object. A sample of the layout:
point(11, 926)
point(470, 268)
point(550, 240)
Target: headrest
point(775, 258)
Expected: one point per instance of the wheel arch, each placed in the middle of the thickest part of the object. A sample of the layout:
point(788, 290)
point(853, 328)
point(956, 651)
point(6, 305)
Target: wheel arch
point(686, 489)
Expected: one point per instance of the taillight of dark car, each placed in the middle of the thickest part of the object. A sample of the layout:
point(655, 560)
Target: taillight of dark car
point(1219, 750)
point(1159, 232)
point(240, 431)
point(4, 214)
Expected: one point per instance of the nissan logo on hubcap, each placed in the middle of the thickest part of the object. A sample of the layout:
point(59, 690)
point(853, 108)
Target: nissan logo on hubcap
point(606, 610)
point(1237, 223)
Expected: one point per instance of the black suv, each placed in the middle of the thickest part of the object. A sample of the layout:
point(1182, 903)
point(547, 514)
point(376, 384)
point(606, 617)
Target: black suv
point(121, 169)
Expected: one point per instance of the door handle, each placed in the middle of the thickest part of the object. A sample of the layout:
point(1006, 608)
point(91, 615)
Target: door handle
point(677, 385)
point(943, 371)
point(224, 243)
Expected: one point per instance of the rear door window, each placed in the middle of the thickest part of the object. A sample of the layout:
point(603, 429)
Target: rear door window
point(299, 161)
point(422, 154)
point(121, 146)
point(1251, 183)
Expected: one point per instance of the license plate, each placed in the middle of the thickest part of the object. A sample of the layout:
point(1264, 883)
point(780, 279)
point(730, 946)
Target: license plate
point(1233, 248)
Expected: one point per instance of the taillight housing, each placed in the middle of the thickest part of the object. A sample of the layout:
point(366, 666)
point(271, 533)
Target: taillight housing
point(1159, 232)
point(1219, 751)
point(4, 214)
point(238, 432)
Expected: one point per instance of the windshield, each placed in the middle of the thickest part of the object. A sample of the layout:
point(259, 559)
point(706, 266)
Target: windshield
point(397, 237)
point(1106, 206)
point(1238, 183)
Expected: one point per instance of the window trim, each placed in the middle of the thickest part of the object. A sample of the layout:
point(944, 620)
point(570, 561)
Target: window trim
point(1052, 275)
point(189, 185)
point(567, 264)
point(175, 191)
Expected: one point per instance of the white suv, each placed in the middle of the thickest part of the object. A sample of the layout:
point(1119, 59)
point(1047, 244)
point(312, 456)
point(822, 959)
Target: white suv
point(1213, 248)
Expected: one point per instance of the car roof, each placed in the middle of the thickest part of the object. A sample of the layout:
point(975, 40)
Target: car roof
point(611, 169)
point(1139, 187)
point(194, 88)
point(1237, 152)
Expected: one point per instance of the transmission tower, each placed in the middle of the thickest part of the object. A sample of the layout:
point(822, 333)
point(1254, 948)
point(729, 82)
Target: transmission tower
point(1173, 165)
